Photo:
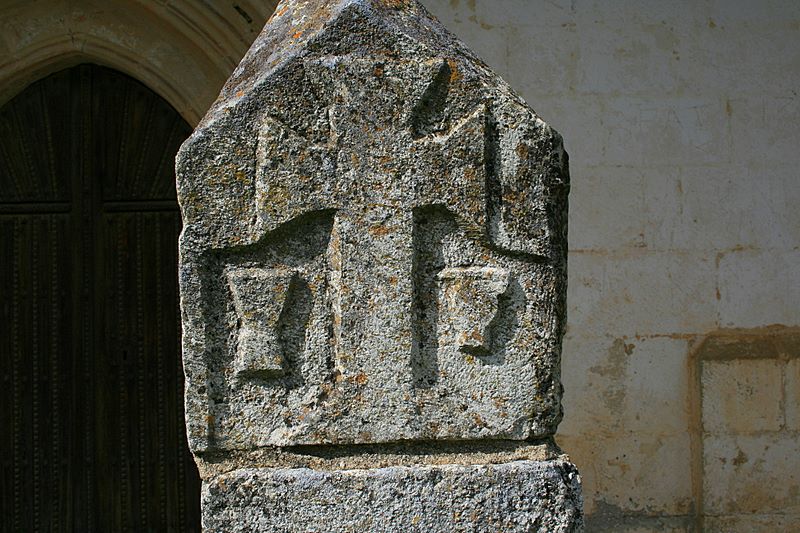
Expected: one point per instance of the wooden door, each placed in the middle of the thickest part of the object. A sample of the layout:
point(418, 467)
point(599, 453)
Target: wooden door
point(91, 424)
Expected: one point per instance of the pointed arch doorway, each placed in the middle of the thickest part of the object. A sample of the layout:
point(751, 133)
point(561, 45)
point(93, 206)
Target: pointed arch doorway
point(92, 434)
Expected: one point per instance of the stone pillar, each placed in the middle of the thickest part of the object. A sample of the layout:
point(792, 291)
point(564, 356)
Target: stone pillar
point(373, 282)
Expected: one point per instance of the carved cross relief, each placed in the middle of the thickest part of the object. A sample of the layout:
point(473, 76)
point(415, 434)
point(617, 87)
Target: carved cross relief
point(414, 326)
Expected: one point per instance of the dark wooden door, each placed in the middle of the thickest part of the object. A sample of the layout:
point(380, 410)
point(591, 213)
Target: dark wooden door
point(91, 400)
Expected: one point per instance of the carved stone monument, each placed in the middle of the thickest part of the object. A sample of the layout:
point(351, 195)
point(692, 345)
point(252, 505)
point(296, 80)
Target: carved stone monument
point(373, 277)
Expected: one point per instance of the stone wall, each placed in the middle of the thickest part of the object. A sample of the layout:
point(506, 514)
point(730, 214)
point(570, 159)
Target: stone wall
point(681, 121)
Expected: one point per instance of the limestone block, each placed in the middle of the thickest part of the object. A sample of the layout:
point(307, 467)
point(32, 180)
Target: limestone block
point(596, 221)
point(759, 287)
point(374, 247)
point(793, 395)
point(691, 129)
point(612, 521)
point(751, 474)
point(771, 116)
point(747, 523)
point(623, 384)
point(643, 62)
point(742, 395)
point(516, 496)
point(640, 293)
point(645, 474)
point(678, 214)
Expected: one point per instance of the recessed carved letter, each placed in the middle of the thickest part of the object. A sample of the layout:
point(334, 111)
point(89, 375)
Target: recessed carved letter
point(259, 297)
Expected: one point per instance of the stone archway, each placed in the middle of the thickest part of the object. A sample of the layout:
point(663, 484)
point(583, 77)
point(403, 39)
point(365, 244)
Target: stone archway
point(182, 49)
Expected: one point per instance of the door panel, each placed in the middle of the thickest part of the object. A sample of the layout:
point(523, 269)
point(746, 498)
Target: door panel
point(92, 386)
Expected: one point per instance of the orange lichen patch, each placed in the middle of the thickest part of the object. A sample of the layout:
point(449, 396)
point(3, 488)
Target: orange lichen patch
point(455, 75)
point(393, 280)
point(361, 378)
point(239, 94)
point(282, 10)
point(380, 231)
point(297, 34)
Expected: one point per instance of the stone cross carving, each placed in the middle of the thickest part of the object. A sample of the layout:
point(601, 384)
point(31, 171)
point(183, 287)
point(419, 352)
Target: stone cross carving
point(374, 241)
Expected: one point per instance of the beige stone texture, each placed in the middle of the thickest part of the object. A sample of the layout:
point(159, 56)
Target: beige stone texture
point(612, 521)
point(756, 280)
point(793, 395)
point(643, 474)
point(748, 523)
point(629, 466)
point(757, 474)
point(640, 293)
point(742, 396)
point(619, 392)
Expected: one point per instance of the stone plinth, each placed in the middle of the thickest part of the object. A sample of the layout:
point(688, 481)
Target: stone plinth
point(374, 252)
point(515, 496)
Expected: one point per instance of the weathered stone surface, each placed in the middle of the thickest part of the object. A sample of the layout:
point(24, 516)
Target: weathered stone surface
point(373, 258)
point(517, 496)
point(374, 241)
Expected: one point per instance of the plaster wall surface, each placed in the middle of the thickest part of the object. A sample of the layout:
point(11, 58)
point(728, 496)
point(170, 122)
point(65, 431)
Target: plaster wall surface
point(681, 121)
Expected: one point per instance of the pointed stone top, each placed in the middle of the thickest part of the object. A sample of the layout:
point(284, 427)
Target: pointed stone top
point(391, 222)
point(274, 79)
point(391, 28)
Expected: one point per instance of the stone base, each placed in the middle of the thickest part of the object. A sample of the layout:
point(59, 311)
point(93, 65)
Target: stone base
point(515, 496)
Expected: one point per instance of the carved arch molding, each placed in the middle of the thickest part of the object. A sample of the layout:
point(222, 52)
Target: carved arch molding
point(183, 50)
